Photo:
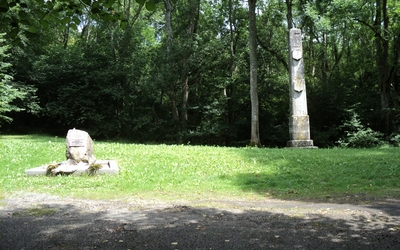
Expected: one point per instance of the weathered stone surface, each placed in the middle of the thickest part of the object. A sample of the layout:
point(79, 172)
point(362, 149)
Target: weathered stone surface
point(299, 127)
point(79, 147)
point(108, 167)
point(301, 144)
point(80, 159)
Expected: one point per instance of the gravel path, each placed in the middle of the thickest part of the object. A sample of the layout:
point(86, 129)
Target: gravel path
point(38, 221)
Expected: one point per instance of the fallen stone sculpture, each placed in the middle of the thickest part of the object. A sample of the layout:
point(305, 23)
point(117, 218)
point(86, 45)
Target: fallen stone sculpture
point(80, 159)
point(109, 167)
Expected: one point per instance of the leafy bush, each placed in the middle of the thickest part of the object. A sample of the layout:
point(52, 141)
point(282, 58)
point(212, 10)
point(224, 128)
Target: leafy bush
point(8, 91)
point(394, 139)
point(359, 136)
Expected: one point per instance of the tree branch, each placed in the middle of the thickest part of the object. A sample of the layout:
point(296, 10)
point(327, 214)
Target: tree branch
point(136, 15)
point(274, 53)
point(372, 28)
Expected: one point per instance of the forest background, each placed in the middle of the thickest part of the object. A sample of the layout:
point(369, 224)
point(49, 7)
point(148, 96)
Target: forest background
point(179, 71)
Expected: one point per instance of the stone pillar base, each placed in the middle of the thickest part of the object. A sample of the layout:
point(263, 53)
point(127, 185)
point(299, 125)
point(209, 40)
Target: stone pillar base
point(301, 144)
point(299, 128)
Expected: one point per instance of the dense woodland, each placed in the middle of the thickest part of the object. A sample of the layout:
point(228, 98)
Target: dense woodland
point(181, 71)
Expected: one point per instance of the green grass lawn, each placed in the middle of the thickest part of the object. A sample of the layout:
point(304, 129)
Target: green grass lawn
point(177, 172)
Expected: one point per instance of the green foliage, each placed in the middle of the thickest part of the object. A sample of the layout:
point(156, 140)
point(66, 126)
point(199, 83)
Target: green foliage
point(103, 66)
point(78, 90)
point(22, 17)
point(8, 94)
point(359, 136)
point(10, 91)
point(394, 139)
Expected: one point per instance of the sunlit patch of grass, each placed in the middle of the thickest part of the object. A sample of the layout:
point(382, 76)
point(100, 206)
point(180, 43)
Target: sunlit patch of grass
point(200, 172)
point(35, 212)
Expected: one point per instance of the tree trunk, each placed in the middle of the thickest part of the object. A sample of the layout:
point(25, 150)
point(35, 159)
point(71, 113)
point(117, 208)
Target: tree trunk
point(289, 16)
point(228, 92)
point(66, 37)
point(194, 8)
point(168, 26)
point(382, 57)
point(325, 64)
point(169, 67)
point(255, 133)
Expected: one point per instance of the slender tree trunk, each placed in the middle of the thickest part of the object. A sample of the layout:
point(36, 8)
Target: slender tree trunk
point(194, 8)
point(382, 52)
point(66, 36)
point(184, 103)
point(325, 65)
point(168, 25)
point(229, 88)
point(87, 29)
point(132, 21)
point(393, 72)
point(289, 16)
point(169, 67)
point(255, 131)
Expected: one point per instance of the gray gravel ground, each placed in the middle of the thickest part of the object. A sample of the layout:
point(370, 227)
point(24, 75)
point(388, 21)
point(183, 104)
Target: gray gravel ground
point(38, 221)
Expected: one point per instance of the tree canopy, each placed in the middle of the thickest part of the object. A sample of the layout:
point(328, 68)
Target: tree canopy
point(179, 71)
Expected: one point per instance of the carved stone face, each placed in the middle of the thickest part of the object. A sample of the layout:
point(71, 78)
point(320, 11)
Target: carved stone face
point(296, 40)
point(297, 54)
point(79, 147)
point(298, 84)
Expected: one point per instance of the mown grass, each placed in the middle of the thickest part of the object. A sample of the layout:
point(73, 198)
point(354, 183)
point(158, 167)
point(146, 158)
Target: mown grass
point(177, 172)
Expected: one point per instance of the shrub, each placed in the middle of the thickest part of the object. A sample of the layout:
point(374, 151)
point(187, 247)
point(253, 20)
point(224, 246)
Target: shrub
point(359, 136)
point(394, 139)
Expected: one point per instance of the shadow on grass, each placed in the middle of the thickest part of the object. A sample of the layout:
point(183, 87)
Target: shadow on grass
point(129, 226)
point(277, 187)
point(351, 176)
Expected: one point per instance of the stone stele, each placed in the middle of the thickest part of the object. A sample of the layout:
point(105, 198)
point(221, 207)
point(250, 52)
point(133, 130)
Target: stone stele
point(79, 147)
point(299, 125)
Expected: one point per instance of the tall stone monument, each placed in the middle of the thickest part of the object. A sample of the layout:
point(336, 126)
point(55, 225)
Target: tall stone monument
point(299, 125)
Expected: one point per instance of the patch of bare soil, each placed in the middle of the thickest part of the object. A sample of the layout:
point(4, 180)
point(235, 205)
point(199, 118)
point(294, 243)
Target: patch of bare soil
point(40, 221)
